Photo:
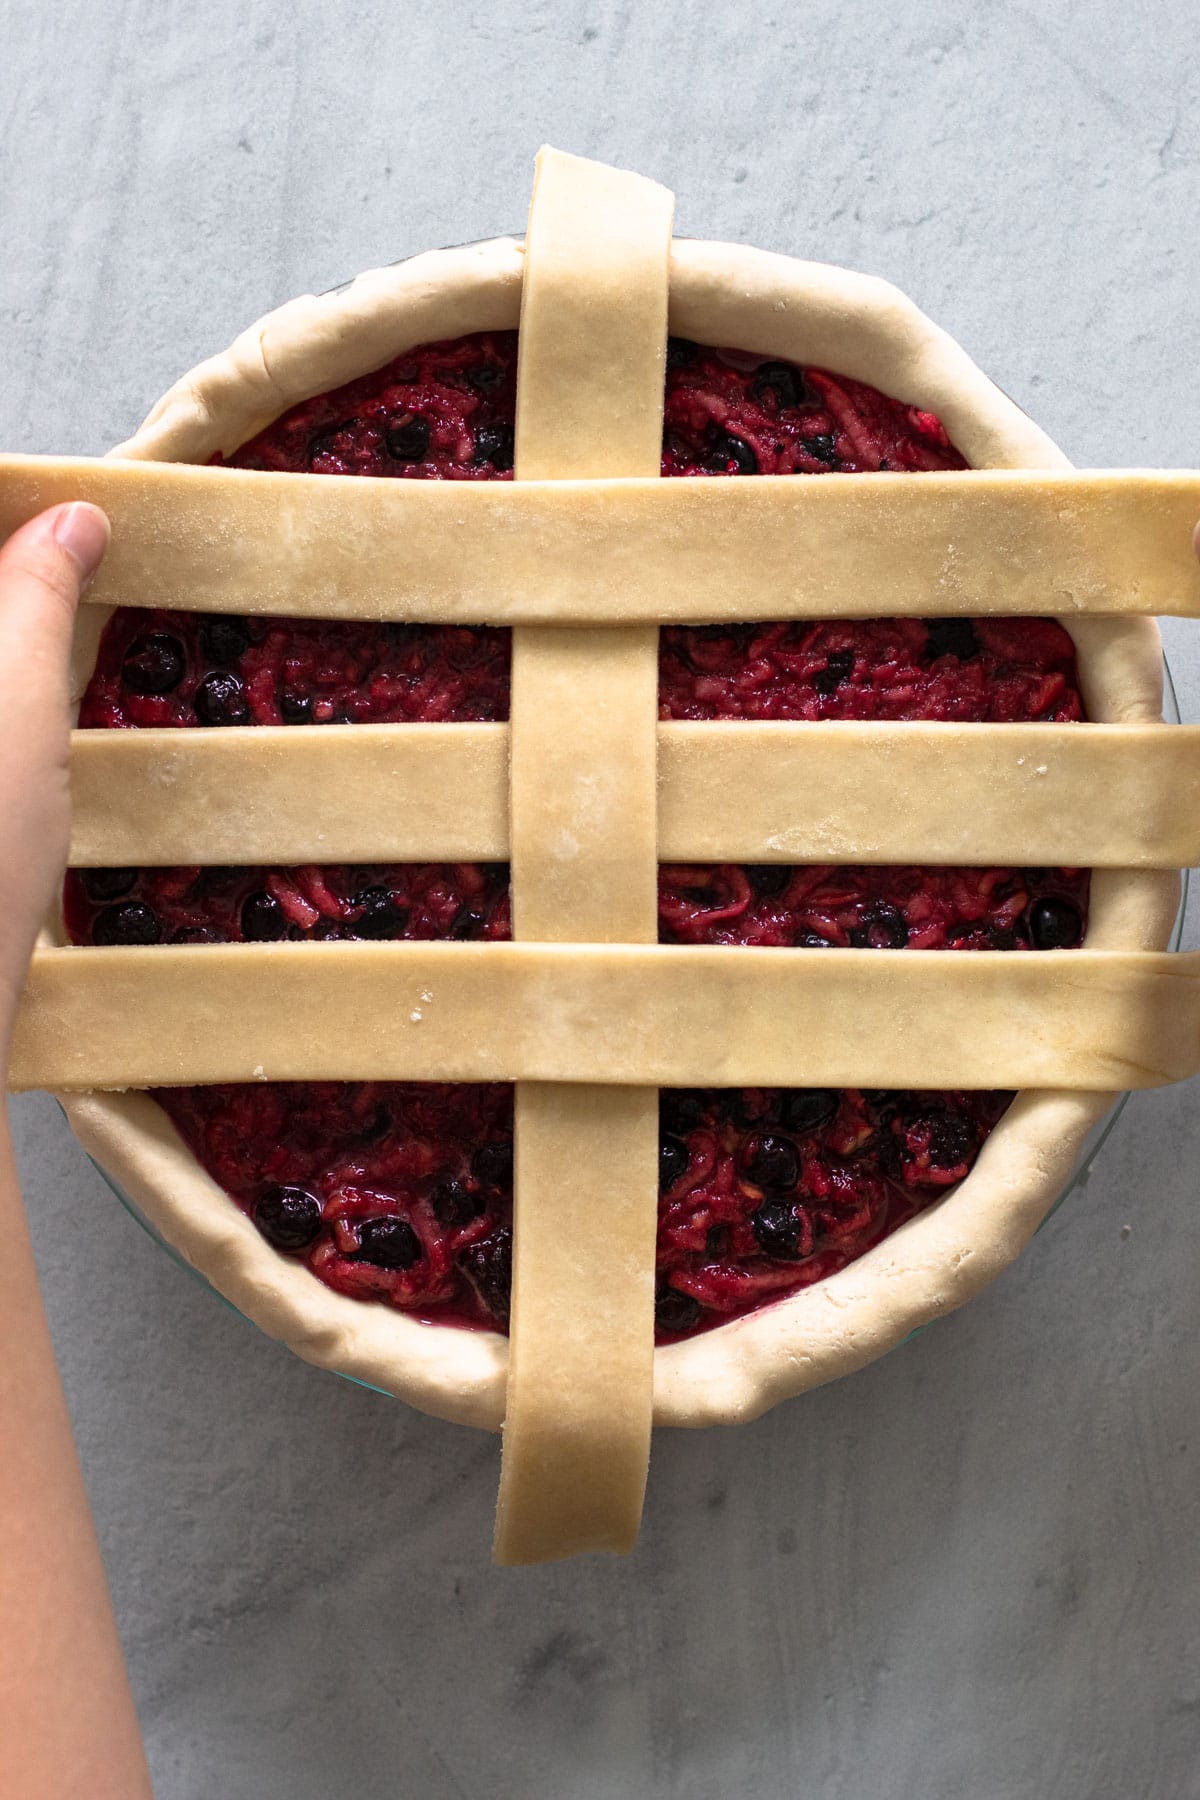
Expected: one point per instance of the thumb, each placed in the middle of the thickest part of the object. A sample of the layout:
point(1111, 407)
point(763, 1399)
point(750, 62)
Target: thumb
point(44, 568)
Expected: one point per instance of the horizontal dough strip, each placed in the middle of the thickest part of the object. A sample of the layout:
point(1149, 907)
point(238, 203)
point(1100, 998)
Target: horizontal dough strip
point(290, 794)
point(1008, 541)
point(1095, 796)
point(609, 1014)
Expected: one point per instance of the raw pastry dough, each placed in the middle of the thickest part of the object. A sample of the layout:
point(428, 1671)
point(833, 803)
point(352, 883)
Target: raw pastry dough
point(1098, 796)
point(610, 551)
point(590, 372)
point(279, 793)
point(845, 791)
point(614, 1014)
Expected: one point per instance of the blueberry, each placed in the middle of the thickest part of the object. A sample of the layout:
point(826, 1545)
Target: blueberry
point(951, 637)
point(219, 700)
point(494, 444)
point(453, 1203)
point(811, 940)
point(486, 377)
point(781, 379)
point(388, 1244)
point(804, 1109)
point(262, 918)
point(217, 879)
point(224, 639)
point(733, 1104)
point(488, 1267)
point(728, 449)
point(407, 438)
point(883, 927)
point(154, 663)
point(681, 1109)
point(823, 447)
point(680, 352)
point(321, 444)
point(132, 923)
point(680, 447)
point(782, 1229)
point(1054, 923)
point(195, 934)
point(673, 1159)
point(839, 666)
point(402, 634)
point(295, 708)
point(676, 1311)
point(716, 1242)
point(492, 1164)
point(768, 878)
point(376, 1126)
point(467, 924)
point(770, 1161)
point(381, 916)
point(288, 1217)
point(107, 884)
point(951, 1141)
point(728, 638)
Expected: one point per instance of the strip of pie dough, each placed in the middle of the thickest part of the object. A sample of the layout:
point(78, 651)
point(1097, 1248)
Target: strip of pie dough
point(612, 551)
point(839, 791)
point(290, 794)
point(619, 1016)
point(590, 377)
point(844, 791)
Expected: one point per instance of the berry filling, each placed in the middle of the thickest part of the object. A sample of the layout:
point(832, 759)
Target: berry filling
point(869, 908)
point(983, 669)
point(403, 1192)
point(243, 905)
point(173, 668)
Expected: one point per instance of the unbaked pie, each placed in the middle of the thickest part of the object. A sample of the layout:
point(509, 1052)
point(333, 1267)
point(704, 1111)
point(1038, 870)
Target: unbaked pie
point(768, 1235)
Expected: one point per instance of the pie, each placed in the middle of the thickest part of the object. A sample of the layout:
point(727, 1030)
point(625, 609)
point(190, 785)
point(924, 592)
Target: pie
point(330, 1173)
point(801, 1231)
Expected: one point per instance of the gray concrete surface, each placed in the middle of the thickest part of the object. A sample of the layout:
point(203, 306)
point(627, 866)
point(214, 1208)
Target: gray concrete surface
point(972, 1571)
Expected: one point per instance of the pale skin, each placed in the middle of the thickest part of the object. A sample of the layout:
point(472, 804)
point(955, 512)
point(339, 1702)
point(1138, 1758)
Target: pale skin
point(68, 1729)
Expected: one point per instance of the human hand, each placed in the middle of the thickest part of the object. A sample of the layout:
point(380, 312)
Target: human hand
point(43, 569)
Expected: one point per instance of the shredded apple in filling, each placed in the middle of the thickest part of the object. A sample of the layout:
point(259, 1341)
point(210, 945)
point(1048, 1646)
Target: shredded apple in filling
point(403, 1192)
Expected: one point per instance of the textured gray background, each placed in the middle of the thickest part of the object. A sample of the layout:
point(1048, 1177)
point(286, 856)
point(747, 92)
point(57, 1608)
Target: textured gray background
point(972, 1570)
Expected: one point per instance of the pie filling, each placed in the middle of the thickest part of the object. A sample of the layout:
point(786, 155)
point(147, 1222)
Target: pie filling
point(402, 1192)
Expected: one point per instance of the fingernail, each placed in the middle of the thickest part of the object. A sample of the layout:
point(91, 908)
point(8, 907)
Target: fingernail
point(83, 531)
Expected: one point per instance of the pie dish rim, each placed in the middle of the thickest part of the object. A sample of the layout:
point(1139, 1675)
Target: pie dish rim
point(724, 294)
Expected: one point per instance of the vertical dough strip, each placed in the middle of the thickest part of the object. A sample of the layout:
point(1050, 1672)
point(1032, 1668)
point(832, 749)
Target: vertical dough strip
point(584, 856)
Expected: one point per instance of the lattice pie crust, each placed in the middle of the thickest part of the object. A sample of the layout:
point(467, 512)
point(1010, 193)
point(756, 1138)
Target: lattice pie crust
point(584, 556)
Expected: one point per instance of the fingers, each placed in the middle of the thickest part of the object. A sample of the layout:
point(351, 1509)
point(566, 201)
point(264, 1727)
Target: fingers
point(43, 570)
